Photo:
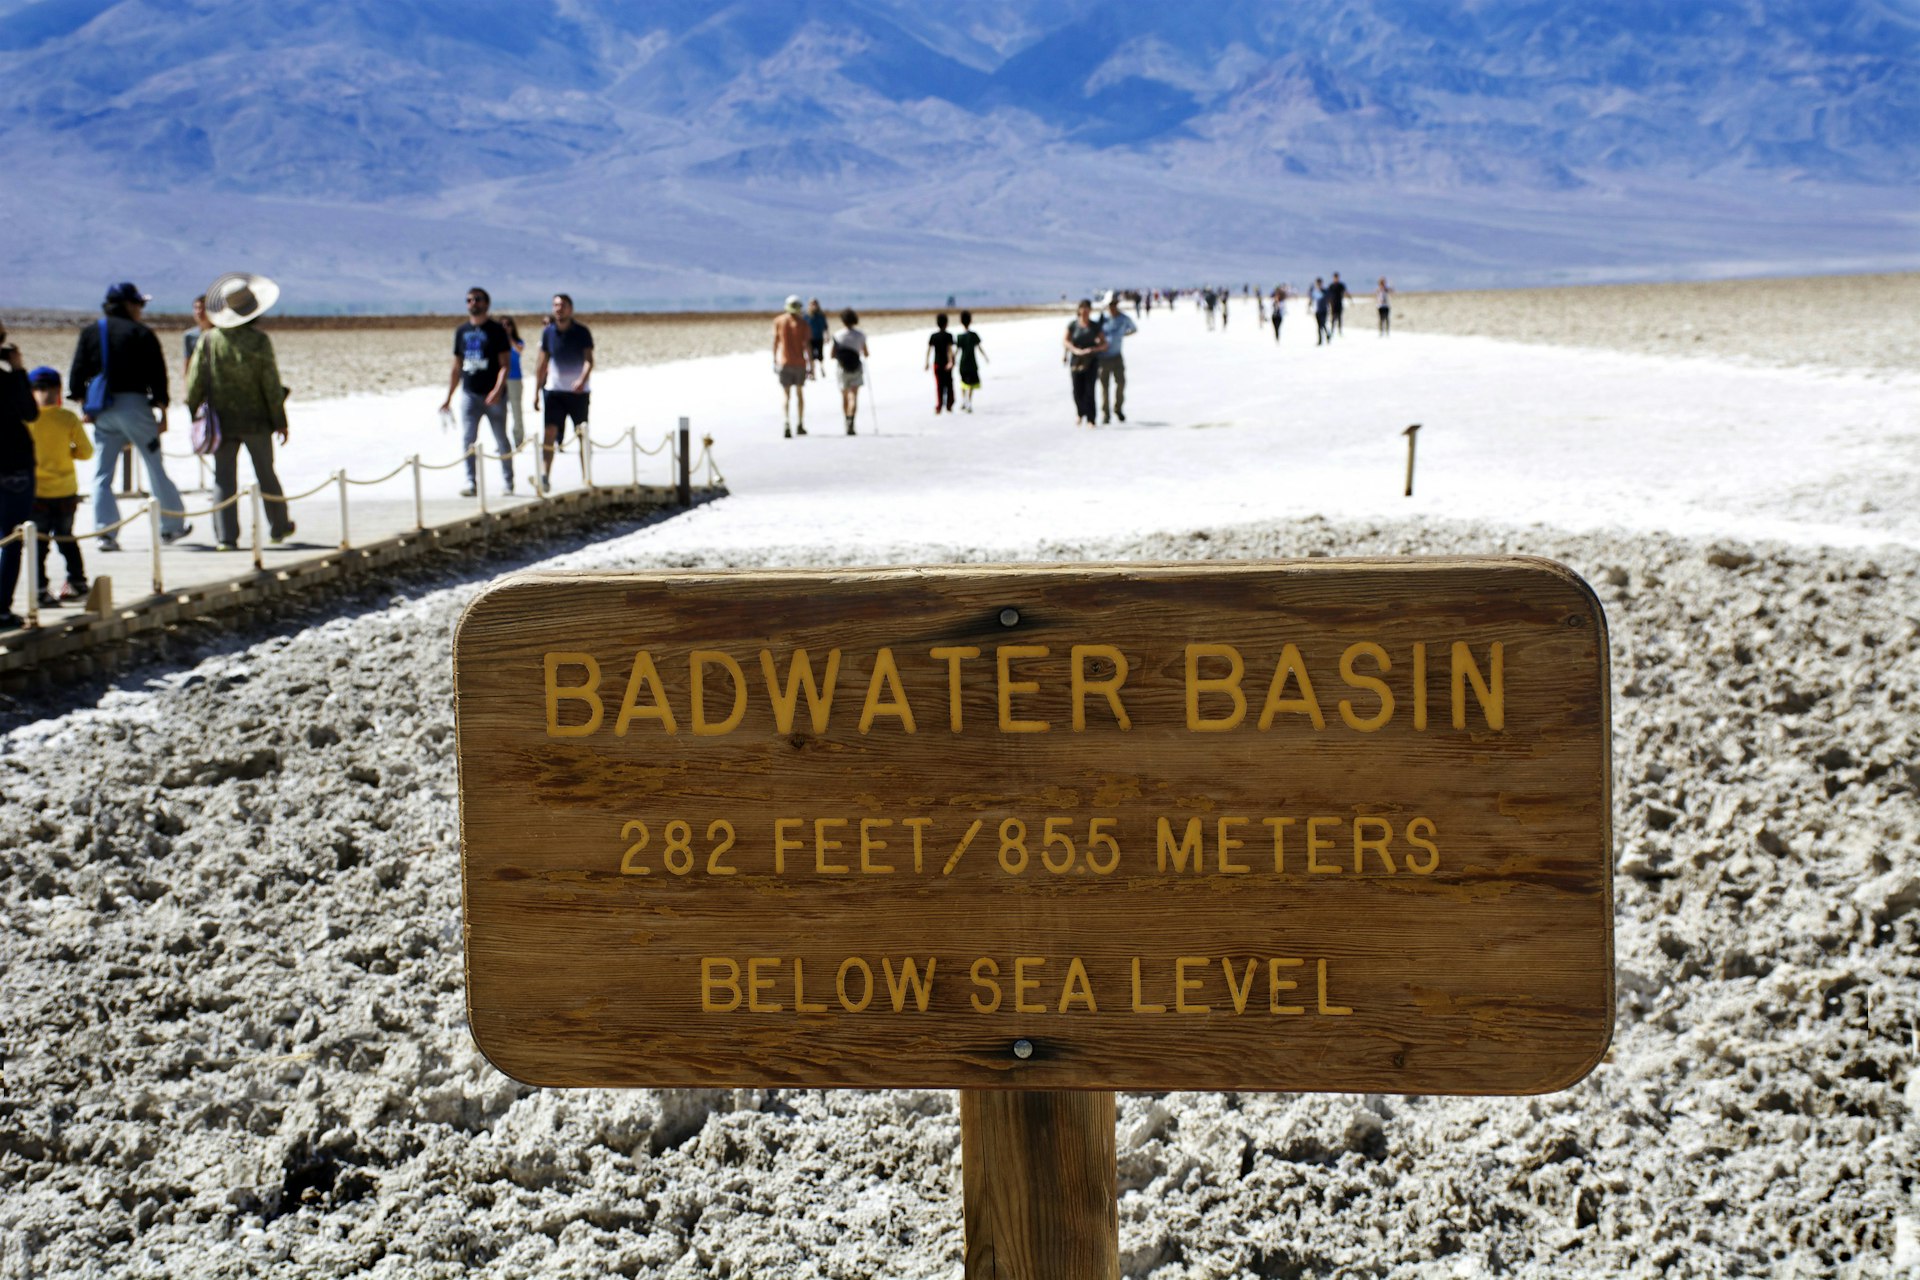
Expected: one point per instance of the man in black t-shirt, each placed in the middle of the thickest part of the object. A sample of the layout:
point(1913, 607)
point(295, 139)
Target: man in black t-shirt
point(1336, 306)
point(480, 348)
point(940, 356)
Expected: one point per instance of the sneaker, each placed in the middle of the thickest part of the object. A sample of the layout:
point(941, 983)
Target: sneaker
point(800, 430)
point(109, 543)
point(226, 546)
point(72, 590)
point(468, 492)
point(1108, 418)
point(1120, 415)
point(11, 621)
point(176, 535)
point(48, 600)
point(277, 538)
point(787, 433)
point(509, 488)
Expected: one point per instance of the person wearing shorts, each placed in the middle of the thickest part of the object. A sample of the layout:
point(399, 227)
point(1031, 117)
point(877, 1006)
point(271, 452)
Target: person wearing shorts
point(850, 353)
point(792, 338)
point(563, 376)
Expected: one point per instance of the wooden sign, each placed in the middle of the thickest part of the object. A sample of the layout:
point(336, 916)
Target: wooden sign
point(1309, 825)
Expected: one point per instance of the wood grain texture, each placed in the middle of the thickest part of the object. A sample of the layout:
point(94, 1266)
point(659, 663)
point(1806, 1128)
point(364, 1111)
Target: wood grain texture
point(1490, 974)
point(1041, 1187)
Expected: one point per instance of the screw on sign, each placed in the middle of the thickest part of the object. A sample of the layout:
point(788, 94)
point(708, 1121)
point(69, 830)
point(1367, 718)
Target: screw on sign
point(1039, 833)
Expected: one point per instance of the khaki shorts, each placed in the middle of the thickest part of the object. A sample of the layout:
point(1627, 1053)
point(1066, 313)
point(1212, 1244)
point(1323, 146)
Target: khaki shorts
point(851, 378)
point(792, 375)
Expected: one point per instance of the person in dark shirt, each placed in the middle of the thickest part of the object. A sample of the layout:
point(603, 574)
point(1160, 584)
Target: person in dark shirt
point(1084, 343)
point(1336, 306)
point(136, 415)
point(940, 356)
point(480, 367)
point(17, 409)
point(563, 382)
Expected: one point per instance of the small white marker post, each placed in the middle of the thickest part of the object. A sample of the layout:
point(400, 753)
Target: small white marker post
point(1411, 433)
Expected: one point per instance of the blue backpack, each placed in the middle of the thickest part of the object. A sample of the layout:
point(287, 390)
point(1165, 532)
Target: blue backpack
point(98, 397)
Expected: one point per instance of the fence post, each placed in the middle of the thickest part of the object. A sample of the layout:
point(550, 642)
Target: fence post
point(341, 476)
point(253, 504)
point(686, 463)
point(30, 548)
point(480, 476)
point(586, 459)
point(633, 453)
point(153, 534)
point(419, 506)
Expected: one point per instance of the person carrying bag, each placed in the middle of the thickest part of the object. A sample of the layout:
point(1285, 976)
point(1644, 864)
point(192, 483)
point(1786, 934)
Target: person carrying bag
point(234, 382)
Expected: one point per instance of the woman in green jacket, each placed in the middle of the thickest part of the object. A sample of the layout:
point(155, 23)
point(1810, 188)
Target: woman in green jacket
point(234, 371)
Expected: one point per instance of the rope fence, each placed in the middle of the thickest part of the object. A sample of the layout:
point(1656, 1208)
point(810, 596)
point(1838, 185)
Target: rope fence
point(30, 536)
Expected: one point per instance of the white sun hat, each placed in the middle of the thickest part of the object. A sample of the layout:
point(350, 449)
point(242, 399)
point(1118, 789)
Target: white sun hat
point(238, 297)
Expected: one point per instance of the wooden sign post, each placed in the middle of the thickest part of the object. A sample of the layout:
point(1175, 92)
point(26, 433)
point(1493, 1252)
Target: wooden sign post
point(1040, 833)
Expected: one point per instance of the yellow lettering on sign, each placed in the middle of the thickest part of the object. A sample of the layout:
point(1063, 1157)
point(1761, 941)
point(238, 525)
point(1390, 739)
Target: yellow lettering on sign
point(909, 980)
point(1005, 656)
point(1489, 689)
point(1023, 984)
point(631, 708)
point(1077, 987)
point(919, 826)
point(1374, 683)
point(782, 842)
point(953, 656)
point(885, 672)
point(1276, 984)
point(697, 663)
point(1419, 832)
point(1192, 846)
point(756, 984)
point(870, 846)
point(1139, 1005)
point(1279, 826)
point(1239, 991)
point(1228, 684)
point(850, 965)
point(786, 697)
point(1419, 684)
point(1291, 667)
point(800, 1003)
point(983, 973)
point(823, 846)
point(1334, 1009)
point(1183, 984)
point(1109, 687)
point(711, 981)
point(588, 691)
point(1382, 836)
point(1315, 844)
point(1227, 844)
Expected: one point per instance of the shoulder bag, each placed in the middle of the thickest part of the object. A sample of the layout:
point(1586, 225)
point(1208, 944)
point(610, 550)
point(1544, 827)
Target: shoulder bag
point(204, 438)
point(98, 397)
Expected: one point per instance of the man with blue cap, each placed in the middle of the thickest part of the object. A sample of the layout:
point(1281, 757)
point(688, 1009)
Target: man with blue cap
point(131, 412)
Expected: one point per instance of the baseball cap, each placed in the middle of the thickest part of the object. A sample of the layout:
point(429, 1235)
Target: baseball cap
point(126, 291)
point(45, 375)
point(793, 302)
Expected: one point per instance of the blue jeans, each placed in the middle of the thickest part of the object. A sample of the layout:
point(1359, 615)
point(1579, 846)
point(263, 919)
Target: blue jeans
point(472, 408)
point(129, 420)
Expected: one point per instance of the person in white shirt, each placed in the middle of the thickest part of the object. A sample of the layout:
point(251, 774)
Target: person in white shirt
point(850, 353)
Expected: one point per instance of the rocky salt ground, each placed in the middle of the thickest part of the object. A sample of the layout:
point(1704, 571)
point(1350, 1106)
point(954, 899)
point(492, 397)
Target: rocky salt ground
point(234, 1041)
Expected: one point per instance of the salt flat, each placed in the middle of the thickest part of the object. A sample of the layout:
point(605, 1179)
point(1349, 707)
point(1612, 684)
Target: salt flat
point(229, 909)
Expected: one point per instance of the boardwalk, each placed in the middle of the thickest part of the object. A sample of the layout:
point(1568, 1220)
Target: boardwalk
point(383, 518)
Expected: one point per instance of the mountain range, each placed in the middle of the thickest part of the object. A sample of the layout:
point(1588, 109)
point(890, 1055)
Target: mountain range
point(380, 154)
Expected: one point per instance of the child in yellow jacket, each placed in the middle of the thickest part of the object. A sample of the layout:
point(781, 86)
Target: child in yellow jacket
point(59, 441)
